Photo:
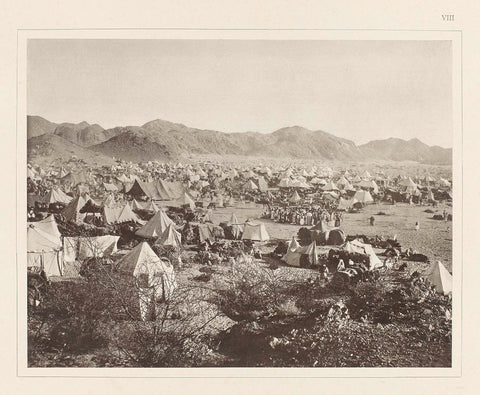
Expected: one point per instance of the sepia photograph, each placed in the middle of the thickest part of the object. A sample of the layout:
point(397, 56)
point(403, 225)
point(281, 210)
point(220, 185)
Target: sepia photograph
point(260, 203)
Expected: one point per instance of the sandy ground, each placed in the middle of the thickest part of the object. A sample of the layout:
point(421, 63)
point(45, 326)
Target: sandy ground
point(434, 238)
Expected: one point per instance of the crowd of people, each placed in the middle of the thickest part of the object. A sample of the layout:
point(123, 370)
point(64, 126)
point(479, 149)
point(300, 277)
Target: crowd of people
point(304, 216)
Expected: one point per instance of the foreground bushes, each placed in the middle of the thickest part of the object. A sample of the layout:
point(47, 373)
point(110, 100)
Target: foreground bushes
point(278, 322)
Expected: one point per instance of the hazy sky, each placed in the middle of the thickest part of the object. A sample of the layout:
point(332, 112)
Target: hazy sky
point(360, 90)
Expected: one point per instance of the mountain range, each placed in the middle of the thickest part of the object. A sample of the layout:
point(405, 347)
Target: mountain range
point(164, 140)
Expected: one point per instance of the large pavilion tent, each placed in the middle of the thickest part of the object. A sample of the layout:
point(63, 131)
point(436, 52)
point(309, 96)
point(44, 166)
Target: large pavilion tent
point(44, 246)
point(79, 248)
point(118, 215)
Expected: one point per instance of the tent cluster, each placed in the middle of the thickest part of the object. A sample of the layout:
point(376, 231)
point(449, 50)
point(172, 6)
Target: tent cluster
point(301, 256)
point(164, 203)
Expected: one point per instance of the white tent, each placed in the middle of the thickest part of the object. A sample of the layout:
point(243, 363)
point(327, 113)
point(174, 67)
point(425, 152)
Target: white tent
point(79, 248)
point(237, 227)
point(295, 197)
point(254, 231)
point(155, 278)
point(170, 237)
point(118, 215)
point(344, 204)
point(363, 197)
point(186, 200)
point(44, 246)
point(366, 249)
point(330, 186)
point(441, 278)
point(369, 184)
point(155, 226)
point(56, 196)
point(293, 244)
point(285, 183)
point(407, 183)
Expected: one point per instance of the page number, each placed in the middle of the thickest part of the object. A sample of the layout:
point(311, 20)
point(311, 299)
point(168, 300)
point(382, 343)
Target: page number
point(448, 17)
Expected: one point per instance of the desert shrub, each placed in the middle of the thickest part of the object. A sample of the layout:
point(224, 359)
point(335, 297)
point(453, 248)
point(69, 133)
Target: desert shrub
point(173, 255)
point(67, 319)
point(249, 291)
point(416, 305)
point(147, 345)
point(353, 344)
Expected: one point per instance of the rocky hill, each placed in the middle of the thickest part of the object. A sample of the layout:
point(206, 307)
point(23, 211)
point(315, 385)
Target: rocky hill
point(164, 140)
point(47, 148)
point(84, 134)
point(36, 126)
point(413, 150)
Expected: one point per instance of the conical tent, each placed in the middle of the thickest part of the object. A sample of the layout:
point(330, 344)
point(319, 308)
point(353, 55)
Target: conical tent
point(293, 244)
point(369, 184)
point(330, 186)
point(155, 226)
point(295, 197)
point(363, 197)
point(136, 205)
point(366, 174)
point(72, 211)
point(186, 200)
point(170, 237)
point(441, 278)
point(233, 220)
point(407, 183)
point(237, 227)
point(262, 184)
point(344, 204)
point(57, 196)
point(109, 201)
point(155, 278)
point(285, 183)
point(151, 206)
point(312, 253)
point(250, 185)
point(257, 232)
point(342, 181)
point(296, 253)
point(126, 215)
